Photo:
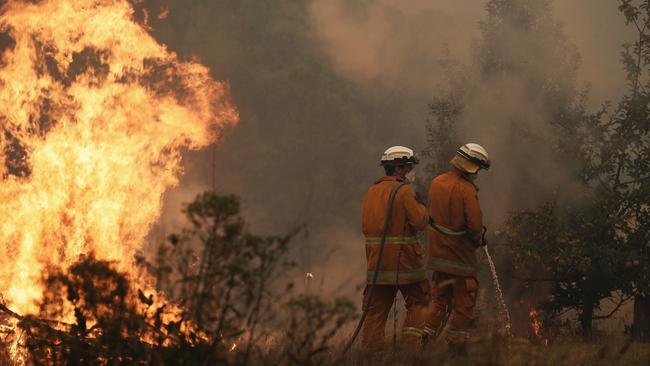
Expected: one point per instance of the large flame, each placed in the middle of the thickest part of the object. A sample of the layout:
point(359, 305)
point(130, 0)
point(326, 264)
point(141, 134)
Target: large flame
point(94, 114)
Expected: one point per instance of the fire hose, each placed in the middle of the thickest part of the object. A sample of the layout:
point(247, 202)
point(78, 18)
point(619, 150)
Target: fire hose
point(495, 277)
point(449, 232)
point(382, 244)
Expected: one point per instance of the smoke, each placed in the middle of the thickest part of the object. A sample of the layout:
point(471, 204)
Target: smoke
point(395, 43)
point(403, 42)
point(412, 44)
point(523, 87)
point(598, 30)
point(323, 87)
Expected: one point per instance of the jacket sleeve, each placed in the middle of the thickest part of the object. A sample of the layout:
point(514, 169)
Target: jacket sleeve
point(473, 214)
point(416, 213)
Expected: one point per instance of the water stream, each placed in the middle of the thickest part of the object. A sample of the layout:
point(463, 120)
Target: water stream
point(497, 286)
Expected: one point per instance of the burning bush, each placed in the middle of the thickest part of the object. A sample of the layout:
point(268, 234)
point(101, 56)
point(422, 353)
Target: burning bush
point(221, 304)
point(110, 322)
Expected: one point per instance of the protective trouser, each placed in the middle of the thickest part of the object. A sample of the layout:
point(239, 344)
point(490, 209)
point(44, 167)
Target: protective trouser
point(416, 296)
point(456, 296)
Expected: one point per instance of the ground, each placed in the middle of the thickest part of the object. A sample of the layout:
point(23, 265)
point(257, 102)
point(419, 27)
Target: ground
point(573, 351)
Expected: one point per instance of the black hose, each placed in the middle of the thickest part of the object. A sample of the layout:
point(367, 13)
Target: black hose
point(382, 242)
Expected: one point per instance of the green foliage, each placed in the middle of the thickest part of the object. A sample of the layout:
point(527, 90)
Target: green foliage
point(623, 161)
point(220, 274)
point(235, 286)
point(599, 249)
point(570, 250)
point(226, 292)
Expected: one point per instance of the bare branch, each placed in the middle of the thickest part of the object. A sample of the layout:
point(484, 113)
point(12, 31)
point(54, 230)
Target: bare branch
point(622, 300)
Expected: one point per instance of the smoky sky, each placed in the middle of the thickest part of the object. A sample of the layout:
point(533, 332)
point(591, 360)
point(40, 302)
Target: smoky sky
point(323, 87)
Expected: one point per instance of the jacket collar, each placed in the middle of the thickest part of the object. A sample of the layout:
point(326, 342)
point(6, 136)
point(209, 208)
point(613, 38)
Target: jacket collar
point(462, 175)
point(457, 172)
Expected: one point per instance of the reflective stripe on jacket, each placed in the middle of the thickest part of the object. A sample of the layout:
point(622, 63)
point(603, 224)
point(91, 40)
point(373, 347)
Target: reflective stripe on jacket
point(401, 245)
point(453, 203)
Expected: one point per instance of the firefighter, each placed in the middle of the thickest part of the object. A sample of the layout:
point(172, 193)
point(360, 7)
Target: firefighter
point(402, 267)
point(455, 232)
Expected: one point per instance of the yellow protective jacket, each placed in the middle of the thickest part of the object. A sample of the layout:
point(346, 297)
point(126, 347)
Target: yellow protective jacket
point(403, 258)
point(453, 203)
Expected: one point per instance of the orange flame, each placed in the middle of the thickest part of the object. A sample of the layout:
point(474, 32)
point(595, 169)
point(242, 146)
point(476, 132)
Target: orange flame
point(95, 114)
point(536, 326)
point(535, 323)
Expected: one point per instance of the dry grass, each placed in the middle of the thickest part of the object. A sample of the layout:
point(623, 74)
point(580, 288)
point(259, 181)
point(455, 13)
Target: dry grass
point(573, 351)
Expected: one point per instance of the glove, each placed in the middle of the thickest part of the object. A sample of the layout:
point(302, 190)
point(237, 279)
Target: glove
point(483, 239)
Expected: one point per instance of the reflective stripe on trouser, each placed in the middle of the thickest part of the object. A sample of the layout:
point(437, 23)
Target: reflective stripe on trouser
point(392, 240)
point(429, 332)
point(458, 336)
point(456, 296)
point(393, 277)
point(412, 331)
point(447, 266)
point(416, 298)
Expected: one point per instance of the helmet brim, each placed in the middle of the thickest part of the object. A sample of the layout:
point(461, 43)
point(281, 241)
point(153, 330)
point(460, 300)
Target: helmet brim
point(413, 160)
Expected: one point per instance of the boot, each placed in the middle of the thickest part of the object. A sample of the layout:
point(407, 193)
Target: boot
point(457, 349)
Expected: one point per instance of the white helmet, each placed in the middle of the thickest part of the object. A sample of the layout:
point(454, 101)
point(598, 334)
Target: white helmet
point(399, 155)
point(474, 157)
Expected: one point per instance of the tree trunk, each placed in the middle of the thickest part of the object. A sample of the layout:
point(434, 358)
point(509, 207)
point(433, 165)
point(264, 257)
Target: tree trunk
point(587, 317)
point(641, 324)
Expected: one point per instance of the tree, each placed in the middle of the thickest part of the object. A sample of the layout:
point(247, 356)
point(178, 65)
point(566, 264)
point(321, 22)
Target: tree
point(572, 249)
point(610, 232)
point(521, 98)
point(623, 161)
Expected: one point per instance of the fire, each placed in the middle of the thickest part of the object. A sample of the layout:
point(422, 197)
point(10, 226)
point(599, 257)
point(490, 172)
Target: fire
point(536, 326)
point(535, 323)
point(95, 114)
